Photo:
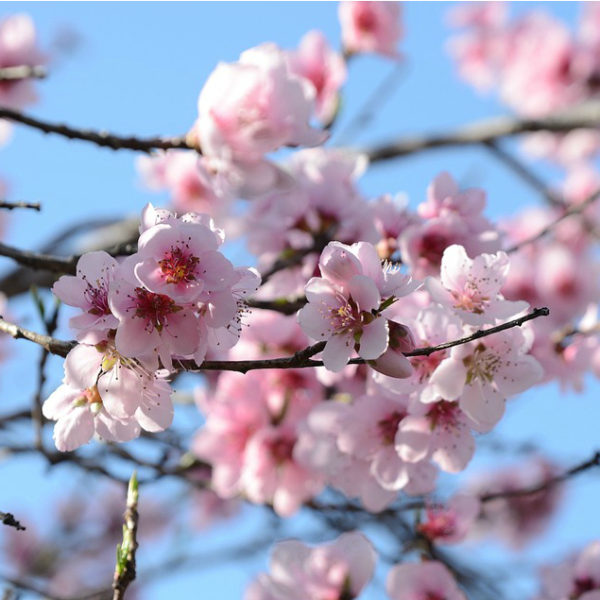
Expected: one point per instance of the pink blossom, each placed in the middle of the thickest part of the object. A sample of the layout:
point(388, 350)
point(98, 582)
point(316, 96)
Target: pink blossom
point(334, 571)
point(481, 375)
point(451, 216)
point(429, 580)
point(104, 393)
point(88, 290)
point(151, 325)
point(472, 287)
point(188, 179)
point(255, 106)
point(18, 46)
point(443, 434)
point(344, 304)
point(181, 260)
point(324, 68)
point(450, 523)
point(250, 435)
point(577, 578)
point(370, 27)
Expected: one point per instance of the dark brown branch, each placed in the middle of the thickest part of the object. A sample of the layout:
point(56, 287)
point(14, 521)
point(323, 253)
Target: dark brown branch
point(36, 260)
point(281, 305)
point(299, 360)
point(583, 116)
point(9, 520)
point(125, 568)
point(100, 138)
point(12, 205)
point(22, 72)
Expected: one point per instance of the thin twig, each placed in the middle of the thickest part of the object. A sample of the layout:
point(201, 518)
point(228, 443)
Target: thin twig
point(23, 72)
point(125, 567)
point(100, 138)
point(592, 462)
point(572, 210)
point(583, 116)
point(299, 360)
point(12, 205)
point(9, 520)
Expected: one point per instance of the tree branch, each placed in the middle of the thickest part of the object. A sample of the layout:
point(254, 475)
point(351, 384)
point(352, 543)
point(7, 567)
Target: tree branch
point(125, 567)
point(23, 72)
point(12, 205)
point(299, 360)
point(9, 520)
point(100, 138)
point(583, 116)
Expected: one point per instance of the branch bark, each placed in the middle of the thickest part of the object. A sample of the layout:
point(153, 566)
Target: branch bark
point(99, 138)
point(299, 360)
point(583, 116)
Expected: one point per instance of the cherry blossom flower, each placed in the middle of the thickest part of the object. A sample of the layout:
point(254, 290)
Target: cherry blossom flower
point(472, 287)
point(255, 106)
point(88, 290)
point(249, 437)
point(578, 578)
point(443, 434)
point(104, 393)
point(182, 261)
point(335, 571)
point(371, 27)
point(324, 68)
point(344, 305)
point(151, 325)
point(450, 523)
point(188, 179)
point(482, 374)
point(429, 580)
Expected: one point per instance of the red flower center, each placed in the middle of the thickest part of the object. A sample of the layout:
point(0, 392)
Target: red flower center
point(178, 265)
point(153, 308)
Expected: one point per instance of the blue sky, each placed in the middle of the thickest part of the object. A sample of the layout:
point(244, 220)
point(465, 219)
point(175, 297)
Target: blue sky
point(138, 69)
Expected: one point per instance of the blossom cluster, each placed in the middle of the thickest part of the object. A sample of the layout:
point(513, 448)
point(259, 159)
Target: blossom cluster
point(173, 299)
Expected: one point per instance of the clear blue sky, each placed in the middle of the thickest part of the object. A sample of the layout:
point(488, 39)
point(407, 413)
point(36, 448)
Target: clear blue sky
point(138, 69)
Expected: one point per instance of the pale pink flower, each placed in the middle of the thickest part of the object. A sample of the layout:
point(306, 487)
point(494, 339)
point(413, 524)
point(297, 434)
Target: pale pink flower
point(344, 305)
point(538, 75)
point(18, 46)
point(472, 287)
point(482, 374)
point(182, 260)
point(452, 216)
point(151, 325)
point(577, 578)
point(317, 448)
point(450, 523)
point(188, 179)
point(88, 290)
point(370, 27)
point(103, 393)
point(429, 580)
point(250, 433)
point(255, 106)
point(335, 571)
point(324, 68)
point(442, 434)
